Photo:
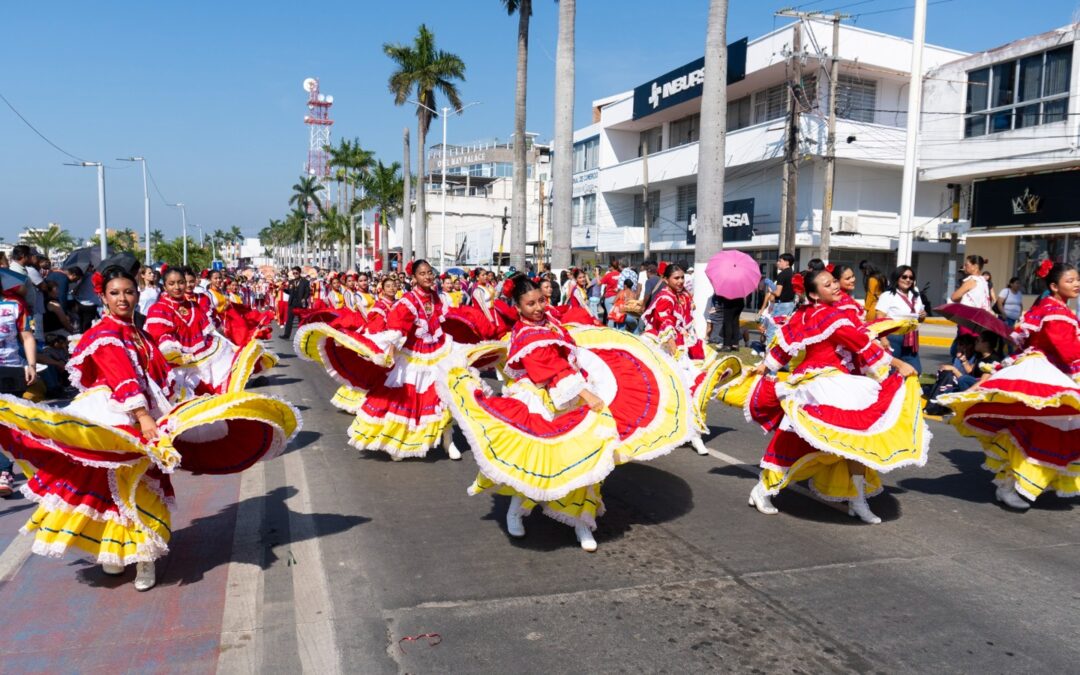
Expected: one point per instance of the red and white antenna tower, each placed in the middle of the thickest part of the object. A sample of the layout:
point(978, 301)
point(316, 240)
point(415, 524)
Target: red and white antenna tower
point(318, 121)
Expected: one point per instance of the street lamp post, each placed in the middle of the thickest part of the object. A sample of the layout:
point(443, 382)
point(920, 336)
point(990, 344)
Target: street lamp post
point(146, 206)
point(101, 203)
point(446, 110)
point(183, 225)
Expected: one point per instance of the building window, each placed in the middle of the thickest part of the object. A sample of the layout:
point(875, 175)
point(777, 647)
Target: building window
point(1032, 250)
point(584, 211)
point(771, 103)
point(856, 98)
point(738, 113)
point(686, 130)
point(639, 209)
point(655, 139)
point(685, 199)
point(586, 154)
point(1017, 94)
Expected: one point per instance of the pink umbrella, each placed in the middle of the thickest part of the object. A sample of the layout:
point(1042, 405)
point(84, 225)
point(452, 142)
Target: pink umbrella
point(733, 274)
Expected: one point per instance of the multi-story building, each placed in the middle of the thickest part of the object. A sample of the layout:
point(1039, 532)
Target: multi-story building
point(1004, 125)
point(661, 118)
point(478, 207)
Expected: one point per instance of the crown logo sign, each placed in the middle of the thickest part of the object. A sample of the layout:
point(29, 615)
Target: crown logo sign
point(1026, 203)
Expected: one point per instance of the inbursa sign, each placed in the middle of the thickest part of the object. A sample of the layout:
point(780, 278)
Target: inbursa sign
point(685, 83)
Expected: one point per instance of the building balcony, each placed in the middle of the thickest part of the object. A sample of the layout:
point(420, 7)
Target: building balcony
point(874, 143)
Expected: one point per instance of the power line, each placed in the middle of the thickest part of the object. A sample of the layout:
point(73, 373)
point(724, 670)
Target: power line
point(898, 9)
point(153, 182)
point(35, 130)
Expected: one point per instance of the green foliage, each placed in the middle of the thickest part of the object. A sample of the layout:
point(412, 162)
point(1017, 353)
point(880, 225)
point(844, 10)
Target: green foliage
point(53, 239)
point(423, 71)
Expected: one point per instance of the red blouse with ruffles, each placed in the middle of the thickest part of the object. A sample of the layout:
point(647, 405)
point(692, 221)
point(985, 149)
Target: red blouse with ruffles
point(377, 315)
point(1052, 328)
point(179, 327)
point(830, 339)
point(118, 355)
point(671, 316)
point(418, 316)
point(542, 351)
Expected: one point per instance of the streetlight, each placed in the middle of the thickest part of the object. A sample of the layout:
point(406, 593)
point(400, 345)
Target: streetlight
point(101, 202)
point(146, 204)
point(446, 110)
point(183, 220)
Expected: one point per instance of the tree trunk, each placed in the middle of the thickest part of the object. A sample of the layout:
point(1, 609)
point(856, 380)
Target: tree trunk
point(421, 188)
point(710, 185)
point(519, 201)
point(406, 205)
point(385, 240)
point(563, 193)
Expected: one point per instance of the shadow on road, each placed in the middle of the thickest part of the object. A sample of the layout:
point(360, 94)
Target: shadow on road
point(207, 543)
point(280, 380)
point(972, 483)
point(302, 440)
point(634, 494)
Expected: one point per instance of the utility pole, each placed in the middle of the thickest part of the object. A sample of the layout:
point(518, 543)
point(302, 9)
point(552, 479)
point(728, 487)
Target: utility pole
point(540, 233)
point(790, 183)
point(502, 238)
point(647, 249)
point(911, 170)
point(950, 273)
point(830, 151)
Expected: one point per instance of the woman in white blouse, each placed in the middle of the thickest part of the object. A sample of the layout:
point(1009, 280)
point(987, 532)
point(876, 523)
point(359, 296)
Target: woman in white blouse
point(973, 292)
point(902, 300)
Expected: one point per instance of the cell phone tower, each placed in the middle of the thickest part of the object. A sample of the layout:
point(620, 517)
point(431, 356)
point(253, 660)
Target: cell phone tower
point(318, 121)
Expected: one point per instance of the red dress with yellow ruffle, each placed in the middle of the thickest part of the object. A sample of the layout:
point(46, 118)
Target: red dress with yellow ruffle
point(1026, 415)
point(99, 484)
point(825, 413)
point(539, 440)
point(403, 415)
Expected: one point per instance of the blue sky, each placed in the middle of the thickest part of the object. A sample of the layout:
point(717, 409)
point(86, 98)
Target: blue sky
point(210, 92)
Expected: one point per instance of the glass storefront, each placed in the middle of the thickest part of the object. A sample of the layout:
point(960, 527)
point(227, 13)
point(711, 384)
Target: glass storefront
point(1032, 250)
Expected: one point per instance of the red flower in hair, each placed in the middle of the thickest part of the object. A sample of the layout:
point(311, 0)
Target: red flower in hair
point(508, 288)
point(409, 268)
point(830, 268)
point(1044, 268)
point(798, 284)
point(99, 283)
point(661, 268)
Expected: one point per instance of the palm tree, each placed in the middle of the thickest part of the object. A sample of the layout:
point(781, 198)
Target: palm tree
point(383, 190)
point(423, 71)
point(406, 202)
point(518, 199)
point(339, 159)
point(361, 162)
point(305, 194)
point(710, 179)
point(51, 239)
point(156, 237)
point(563, 170)
point(237, 238)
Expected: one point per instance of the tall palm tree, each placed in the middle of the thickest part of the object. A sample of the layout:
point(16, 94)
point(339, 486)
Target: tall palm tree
point(52, 239)
point(156, 237)
point(518, 201)
point(237, 238)
point(383, 190)
point(361, 162)
point(710, 178)
point(339, 159)
point(305, 194)
point(406, 202)
point(563, 170)
point(424, 71)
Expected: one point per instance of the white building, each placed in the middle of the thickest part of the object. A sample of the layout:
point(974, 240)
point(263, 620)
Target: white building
point(1004, 125)
point(664, 113)
point(478, 203)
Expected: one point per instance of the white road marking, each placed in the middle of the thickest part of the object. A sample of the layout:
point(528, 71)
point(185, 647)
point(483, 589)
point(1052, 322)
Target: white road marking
point(241, 619)
point(13, 557)
point(311, 596)
point(753, 471)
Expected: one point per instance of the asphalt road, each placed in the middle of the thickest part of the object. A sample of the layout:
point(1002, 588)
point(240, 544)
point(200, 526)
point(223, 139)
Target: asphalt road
point(328, 559)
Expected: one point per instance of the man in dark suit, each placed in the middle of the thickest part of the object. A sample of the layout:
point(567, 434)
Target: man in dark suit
point(299, 294)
